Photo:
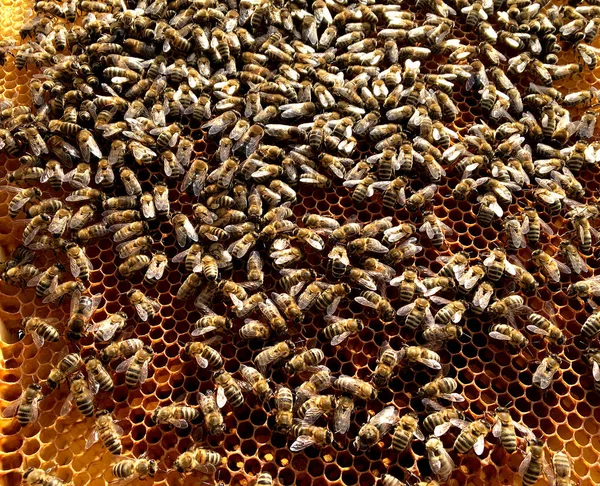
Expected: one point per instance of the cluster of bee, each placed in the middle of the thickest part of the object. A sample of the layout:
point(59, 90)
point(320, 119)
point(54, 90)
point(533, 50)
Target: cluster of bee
point(287, 94)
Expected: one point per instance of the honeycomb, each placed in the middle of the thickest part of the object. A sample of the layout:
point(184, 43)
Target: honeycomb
point(565, 415)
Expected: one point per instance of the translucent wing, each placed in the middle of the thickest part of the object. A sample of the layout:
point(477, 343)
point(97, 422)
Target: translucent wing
point(479, 445)
point(12, 408)
point(497, 429)
point(179, 423)
point(537, 330)
point(312, 415)
point(500, 336)
point(202, 362)
point(94, 385)
point(525, 465)
point(124, 365)
point(144, 373)
point(141, 312)
point(342, 419)
point(442, 429)
point(302, 443)
point(66, 408)
point(91, 440)
point(340, 338)
point(37, 339)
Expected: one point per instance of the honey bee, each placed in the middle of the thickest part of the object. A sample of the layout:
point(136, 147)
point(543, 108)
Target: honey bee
point(318, 381)
point(562, 468)
point(107, 328)
point(440, 461)
point(441, 387)
point(452, 310)
point(421, 197)
point(184, 230)
point(46, 282)
point(179, 416)
point(145, 307)
point(140, 468)
point(504, 332)
point(409, 285)
point(260, 386)
point(377, 426)
point(309, 435)
point(34, 476)
point(533, 225)
point(72, 288)
point(497, 265)
point(551, 267)
point(41, 330)
point(440, 420)
point(210, 322)
point(386, 363)
point(156, 267)
point(381, 304)
point(82, 395)
point(531, 467)
point(136, 366)
point(584, 288)
point(273, 354)
point(355, 387)
point(284, 400)
point(106, 430)
point(417, 313)
point(26, 406)
point(545, 371)
point(472, 435)
point(421, 355)
point(134, 247)
point(128, 231)
point(505, 428)
point(197, 459)
point(120, 348)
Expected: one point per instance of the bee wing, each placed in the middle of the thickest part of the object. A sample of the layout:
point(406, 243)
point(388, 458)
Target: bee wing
point(525, 431)
point(91, 440)
point(509, 268)
point(74, 267)
point(430, 405)
point(302, 443)
point(479, 445)
point(537, 330)
point(35, 280)
point(58, 225)
point(525, 465)
point(66, 408)
point(31, 236)
point(341, 421)
point(428, 229)
point(179, 423)
point(365, 302)
point(497, 429)
point(124, 365)
point(312, 415)
point(442, 429)
point(144, 373)
point(180, 257)
point(500, 336)
point(221, 398)
point(12, 408)
point(562, 267)
point(468, 280)
point(37, 339)
point(418, 434)
point(453, 397)
point(94, 385)
point(439, 300)
point(385, 419)
point(596, 371)
point(431, 363)
point(340, 338)
point(331, 308)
